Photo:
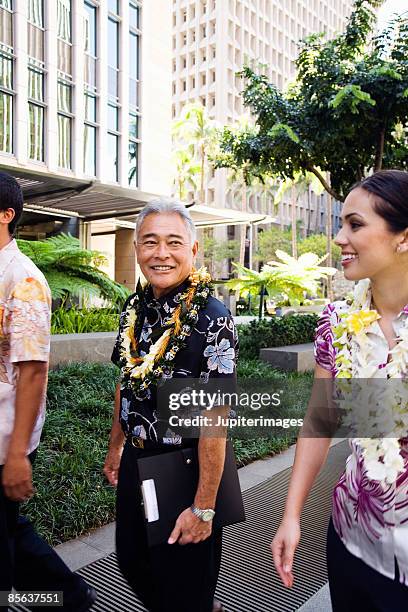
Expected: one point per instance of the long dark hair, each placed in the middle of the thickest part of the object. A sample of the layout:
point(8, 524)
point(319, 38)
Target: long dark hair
point(390, 190)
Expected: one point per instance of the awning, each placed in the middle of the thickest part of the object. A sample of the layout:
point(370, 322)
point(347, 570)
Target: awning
point(207, 216)
point(66, 196)
point(69, 196)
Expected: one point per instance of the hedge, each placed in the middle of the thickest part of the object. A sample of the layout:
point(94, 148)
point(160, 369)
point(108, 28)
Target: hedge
point(277, 331)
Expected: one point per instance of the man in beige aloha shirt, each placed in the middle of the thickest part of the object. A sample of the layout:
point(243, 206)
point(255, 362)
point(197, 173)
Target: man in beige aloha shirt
point(27, 563)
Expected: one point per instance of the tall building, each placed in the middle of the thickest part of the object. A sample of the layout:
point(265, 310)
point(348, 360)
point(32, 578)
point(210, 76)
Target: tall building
point(82, 98)
point(213, 39)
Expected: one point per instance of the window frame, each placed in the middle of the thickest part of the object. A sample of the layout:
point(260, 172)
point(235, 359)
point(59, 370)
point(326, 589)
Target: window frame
point(69, 115)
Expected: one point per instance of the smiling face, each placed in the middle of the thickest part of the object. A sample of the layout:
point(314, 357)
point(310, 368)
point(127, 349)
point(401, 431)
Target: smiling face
point(164, 251)
point(369, 248)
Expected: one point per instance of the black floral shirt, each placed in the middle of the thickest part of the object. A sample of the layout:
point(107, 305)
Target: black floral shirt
point(211, 352)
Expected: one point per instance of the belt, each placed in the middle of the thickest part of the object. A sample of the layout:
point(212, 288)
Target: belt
point(141, 443)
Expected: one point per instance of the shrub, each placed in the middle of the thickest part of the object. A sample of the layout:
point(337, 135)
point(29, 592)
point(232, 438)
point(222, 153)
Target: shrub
point(84, 320)
point(72, 493)
point(293, 329)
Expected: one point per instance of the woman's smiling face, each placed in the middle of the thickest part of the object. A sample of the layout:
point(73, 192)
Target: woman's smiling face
point(369, 249)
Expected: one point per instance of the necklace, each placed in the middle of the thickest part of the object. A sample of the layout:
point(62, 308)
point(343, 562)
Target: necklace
point(140, 372)
point(387, 416)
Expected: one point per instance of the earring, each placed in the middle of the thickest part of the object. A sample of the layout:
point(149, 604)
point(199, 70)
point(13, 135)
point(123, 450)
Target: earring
point(399, 249)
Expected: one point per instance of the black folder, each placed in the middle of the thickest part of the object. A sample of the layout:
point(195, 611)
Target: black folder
point(169, 483)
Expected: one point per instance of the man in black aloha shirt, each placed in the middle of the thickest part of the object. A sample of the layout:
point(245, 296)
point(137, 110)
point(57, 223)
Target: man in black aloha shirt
point(179, 576)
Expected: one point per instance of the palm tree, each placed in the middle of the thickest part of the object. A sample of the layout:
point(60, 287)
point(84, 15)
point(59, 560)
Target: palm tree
point(72, 271)
point(186, 172)
point(195, 129)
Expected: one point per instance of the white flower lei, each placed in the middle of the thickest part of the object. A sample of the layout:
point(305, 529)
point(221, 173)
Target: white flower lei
point(140, 372)
point(382, 454)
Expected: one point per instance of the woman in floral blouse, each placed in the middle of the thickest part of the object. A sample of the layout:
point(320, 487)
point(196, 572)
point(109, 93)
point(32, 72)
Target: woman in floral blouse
point(364, 337)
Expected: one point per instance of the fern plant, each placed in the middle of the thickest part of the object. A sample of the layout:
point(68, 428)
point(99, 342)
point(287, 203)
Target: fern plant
point(72, 271)
point(286, 280)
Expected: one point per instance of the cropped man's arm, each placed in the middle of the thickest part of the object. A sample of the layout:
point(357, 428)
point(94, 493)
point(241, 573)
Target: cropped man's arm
point(211, 457)
point(30, 392)
point(116, 441)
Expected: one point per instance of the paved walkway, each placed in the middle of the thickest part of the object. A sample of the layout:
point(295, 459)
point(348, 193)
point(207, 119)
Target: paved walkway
point(100, 543)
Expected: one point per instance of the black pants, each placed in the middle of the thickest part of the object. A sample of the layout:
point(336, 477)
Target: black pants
point(27, 563)
point(166, 577)
point(356, 587)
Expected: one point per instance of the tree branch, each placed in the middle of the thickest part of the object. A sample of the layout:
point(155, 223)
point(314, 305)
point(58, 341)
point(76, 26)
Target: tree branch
point(379, 154)
point(328, 188)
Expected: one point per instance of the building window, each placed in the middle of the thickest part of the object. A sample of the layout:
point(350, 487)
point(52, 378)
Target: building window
point(113, 118)
point(112, 169)
point(36, 114)
point(133, 177)
point(64, 36)
point(35, 30)
point(6, 77)
point(134, 142)
point(134, 16)
point(36, 132)
point(36, 79)
point(89, 150)
point(90, 129)
point(36, 13)
point(90, 107)
point(113, 6)
point(6, 23)
point(134, 60)
point(64, 124)
point(113, 58)
point(6, 124)
point(90, 44)
point(134, 70)
point(64, 20)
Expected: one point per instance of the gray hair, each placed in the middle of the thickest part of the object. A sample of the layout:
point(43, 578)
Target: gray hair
point(166, 205)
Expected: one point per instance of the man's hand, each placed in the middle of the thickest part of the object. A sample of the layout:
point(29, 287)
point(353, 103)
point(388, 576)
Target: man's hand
point(17, 478)
point(112, 463)
point(189, 529)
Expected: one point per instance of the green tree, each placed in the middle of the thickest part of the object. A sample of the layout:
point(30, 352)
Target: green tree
point(317, 243)
point(72, 271)
point(186, 172)
point(270, 240)
point(217, 252)
point(346, 113)
point(194, 128)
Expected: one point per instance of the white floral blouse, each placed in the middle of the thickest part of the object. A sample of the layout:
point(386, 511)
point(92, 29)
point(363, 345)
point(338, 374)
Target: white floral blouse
point(371, 519)
point(25, 308)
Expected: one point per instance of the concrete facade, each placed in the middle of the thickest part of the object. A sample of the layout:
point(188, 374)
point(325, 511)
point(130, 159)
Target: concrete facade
point(91, 348)
point(295, 358)
point(212, 41)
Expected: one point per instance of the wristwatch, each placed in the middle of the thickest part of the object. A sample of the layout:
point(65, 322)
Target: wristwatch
point(204, 515)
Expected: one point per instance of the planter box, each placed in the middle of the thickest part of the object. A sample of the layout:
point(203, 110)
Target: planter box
point(92, 348)
point(295, 358)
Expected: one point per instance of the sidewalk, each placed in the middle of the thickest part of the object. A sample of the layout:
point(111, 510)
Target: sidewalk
point(100, 543)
